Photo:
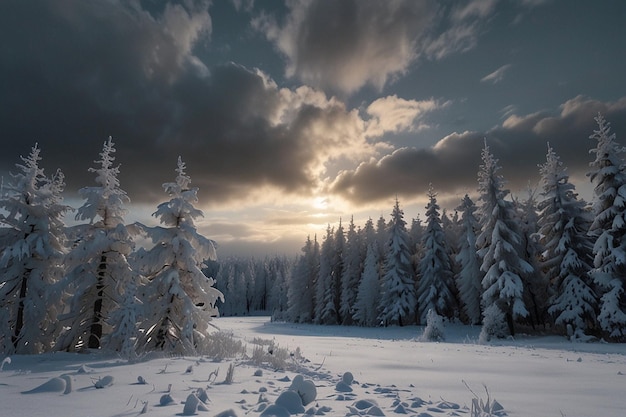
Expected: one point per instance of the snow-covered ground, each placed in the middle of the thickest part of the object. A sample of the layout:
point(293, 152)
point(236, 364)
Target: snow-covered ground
point(393, 373)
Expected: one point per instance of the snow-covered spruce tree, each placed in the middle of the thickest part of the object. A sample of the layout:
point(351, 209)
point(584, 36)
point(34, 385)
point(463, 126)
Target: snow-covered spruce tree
point(231, 282)
point(398, 302)
point(279, 268)
point(337, 264)
point(31, 259)
point(302, 284)
point(499, 248)
point(367, 237)
point(323, 281)
point(563, 225)
point(366, 307)
point(179, 299)
point(469, 276)
point(608, 175)
point(325, 291)
point(535, 283)
point(382, 235)
point(416, 232)
point(98, 270)
point(261, 287)
point(351, 274)
point(435, 284)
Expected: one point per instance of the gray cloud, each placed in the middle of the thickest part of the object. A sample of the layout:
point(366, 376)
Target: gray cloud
point(75, 72)
point(345, 45)
point(452, 164)
point(497, 75)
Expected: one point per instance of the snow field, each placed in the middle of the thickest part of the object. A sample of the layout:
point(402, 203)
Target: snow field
point(393, 374)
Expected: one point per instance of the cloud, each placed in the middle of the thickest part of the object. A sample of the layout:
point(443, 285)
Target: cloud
point(474, 8)
point(75, 75)
point(394, 114)
point(496, 76)
point(346, 45)
point(452, 164)
point(456, 29)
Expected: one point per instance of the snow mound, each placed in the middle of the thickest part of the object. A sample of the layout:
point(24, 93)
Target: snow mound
point(305, 388)
point(52, 385)
point(227, 413)
point(275, 411)
point(290, 401)
point(166, 399)
point(343, 387)
point(104, 382)
point(191, 405)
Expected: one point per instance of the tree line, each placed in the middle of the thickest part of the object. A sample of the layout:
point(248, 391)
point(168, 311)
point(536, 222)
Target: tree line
point(69, 288)
point(552, 262)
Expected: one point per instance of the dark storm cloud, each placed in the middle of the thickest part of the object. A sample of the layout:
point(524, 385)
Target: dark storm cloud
point(345, 45)
point(452, 164)
point(75, 72)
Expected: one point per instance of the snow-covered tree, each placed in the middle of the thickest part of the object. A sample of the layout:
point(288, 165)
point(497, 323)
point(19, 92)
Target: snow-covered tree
point(261, 287)
point(499, 248)
point(301, 291)
point(563, 225)
point(337, 265)
point(31, 258)
point(382, 235)
point(179, 299)
point(279, 268)
point(124, 319)
point(366, 306)
point(608, 175)
point(469, 276)
point(325, 312)
point(367, 237)
point(99, 272)
point(535, 283)
point(416, 231)
point(435, 285)
point(398, 301)
point(231, 281)
point(351, 273)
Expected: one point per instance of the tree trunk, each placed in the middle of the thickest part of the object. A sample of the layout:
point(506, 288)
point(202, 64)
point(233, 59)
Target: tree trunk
point(19, 321)
point(95, 331)
point(510, 322)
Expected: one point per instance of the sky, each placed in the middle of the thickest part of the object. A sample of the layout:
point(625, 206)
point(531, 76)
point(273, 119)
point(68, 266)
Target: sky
point(293, 115)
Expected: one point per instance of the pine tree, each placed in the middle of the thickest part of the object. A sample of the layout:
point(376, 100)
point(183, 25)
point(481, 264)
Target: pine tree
point(99, 271)
point(300, 294)
point(398, 302)
point(499, 248)
point(469, 276)
point(278, 299)
point(435, 285)
point(351, 274)
point(367, 237)
point(180, 300)
point(535, 282)
point(337, 264)
point(382, 235)
point(31, 258)
point(261, 286)
point(325, 312)
point(563, 224)
point(416, 232)
point(608, 175)
point(366, 307)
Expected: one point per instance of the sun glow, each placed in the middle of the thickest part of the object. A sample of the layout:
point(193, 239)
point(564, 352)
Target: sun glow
point(320, 203)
